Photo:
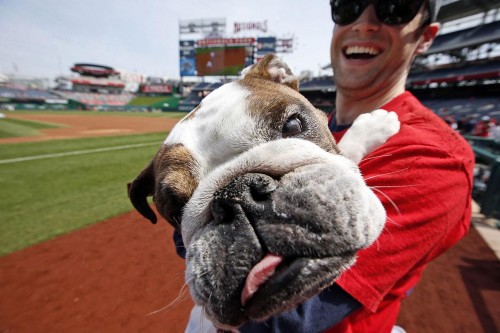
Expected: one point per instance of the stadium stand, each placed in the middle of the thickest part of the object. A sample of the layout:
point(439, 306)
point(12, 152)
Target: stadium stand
point(96, 87)
point(470, 37)
point(197, 93)
point(14, 97)
point(465, 72)
point(475, 108)
point(97, 99)
point(456, 9)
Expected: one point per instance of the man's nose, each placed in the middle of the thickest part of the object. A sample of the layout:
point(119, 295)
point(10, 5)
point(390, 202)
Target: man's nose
point(368, 21)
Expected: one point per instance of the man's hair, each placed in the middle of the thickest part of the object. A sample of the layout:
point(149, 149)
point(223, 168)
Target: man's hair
point(431, 10)
point(433, 7)
point(426, 16)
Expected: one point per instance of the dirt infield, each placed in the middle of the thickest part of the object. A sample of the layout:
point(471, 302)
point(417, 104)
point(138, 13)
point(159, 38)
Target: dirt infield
point(105, 278)
point(112, 276)
point(78, 126)
point(459, 292)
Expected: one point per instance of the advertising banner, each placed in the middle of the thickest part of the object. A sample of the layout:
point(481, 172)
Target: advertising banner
point(266, 45)
point(156, 89)
point(187, 58)
point(187, 66)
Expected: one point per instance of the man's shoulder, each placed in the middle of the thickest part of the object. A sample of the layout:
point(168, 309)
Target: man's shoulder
point(420, 126)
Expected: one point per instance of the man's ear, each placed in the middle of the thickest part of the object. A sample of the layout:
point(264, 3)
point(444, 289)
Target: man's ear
point(428, 35)
point(139, 190)
point(272, 68)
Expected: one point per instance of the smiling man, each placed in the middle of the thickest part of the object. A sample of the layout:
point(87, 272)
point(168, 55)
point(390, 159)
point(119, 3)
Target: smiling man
point(423, 174)
point(372, 50)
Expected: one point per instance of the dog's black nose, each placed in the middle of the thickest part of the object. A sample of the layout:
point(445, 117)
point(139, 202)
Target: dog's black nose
point(249, 194)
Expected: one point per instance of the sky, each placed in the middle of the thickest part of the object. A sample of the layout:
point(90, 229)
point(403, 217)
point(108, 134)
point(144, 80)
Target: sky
point(44, 38)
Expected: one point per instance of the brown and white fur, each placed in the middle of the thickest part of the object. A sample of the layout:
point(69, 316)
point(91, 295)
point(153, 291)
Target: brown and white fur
point(270, 209)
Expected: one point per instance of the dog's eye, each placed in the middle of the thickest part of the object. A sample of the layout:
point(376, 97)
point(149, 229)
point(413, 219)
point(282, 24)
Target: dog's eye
point(292, 126)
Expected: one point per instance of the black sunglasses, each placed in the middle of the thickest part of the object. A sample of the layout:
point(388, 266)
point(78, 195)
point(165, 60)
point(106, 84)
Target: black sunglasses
point(391, 12)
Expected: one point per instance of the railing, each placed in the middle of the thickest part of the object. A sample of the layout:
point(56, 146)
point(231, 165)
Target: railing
point(486, 189)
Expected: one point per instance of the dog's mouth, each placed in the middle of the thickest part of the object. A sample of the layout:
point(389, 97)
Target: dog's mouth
point(268, 267)
point(268, 277)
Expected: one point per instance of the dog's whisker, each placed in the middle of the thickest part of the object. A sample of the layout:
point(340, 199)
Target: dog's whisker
point(177, 300)
point(185, 287)
point(176, 277)
point(176, 221)
point(385, 174)
point(184, 299)
point(391, 221)
point(388, 231)
point(393, 186)
point(389, 199)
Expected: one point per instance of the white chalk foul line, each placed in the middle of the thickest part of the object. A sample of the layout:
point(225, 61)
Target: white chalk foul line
point(77, 152)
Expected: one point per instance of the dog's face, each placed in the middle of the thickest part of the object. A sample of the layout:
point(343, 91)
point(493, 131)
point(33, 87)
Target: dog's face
point(269, 211)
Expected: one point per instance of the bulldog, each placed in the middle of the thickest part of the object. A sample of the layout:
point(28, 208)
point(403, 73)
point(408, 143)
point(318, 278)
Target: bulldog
point(271, 210)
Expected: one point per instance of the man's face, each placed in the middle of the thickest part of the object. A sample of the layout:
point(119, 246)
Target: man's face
point(369, 56)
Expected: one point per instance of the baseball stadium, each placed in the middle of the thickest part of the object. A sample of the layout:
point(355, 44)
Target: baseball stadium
point(76, 257)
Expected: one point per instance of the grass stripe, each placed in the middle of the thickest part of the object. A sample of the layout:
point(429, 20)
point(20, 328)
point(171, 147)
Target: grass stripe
point(78, 152)
point(12, 127)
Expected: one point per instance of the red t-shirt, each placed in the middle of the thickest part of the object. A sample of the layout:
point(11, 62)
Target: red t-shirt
point(426, 172)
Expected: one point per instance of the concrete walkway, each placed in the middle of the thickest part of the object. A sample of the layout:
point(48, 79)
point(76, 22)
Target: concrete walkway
point(488, 228)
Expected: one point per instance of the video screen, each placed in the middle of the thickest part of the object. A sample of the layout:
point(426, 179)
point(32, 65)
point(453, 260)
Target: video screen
point(220, 60)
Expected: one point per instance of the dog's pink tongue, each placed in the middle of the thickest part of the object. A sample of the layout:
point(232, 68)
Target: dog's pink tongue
point(259, 274)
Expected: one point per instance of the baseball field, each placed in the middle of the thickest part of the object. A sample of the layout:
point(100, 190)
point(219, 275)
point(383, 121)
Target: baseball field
point(75, 257)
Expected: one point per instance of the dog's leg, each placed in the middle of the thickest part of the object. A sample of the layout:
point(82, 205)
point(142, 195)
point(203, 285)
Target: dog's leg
point(368, 132)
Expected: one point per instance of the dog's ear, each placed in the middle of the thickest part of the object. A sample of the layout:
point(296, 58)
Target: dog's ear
point(272, 68)
point(139, 190)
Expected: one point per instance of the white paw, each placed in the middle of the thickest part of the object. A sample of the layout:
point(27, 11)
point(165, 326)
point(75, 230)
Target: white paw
point(380, 123)
point(368, 132)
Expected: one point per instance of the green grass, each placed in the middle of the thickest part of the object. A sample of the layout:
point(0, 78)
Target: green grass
point(44, 198)
point(10, 127)
point(154, 101)
point(171, 102)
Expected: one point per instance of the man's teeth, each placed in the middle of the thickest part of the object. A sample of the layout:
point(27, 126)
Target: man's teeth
point(361, 50)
